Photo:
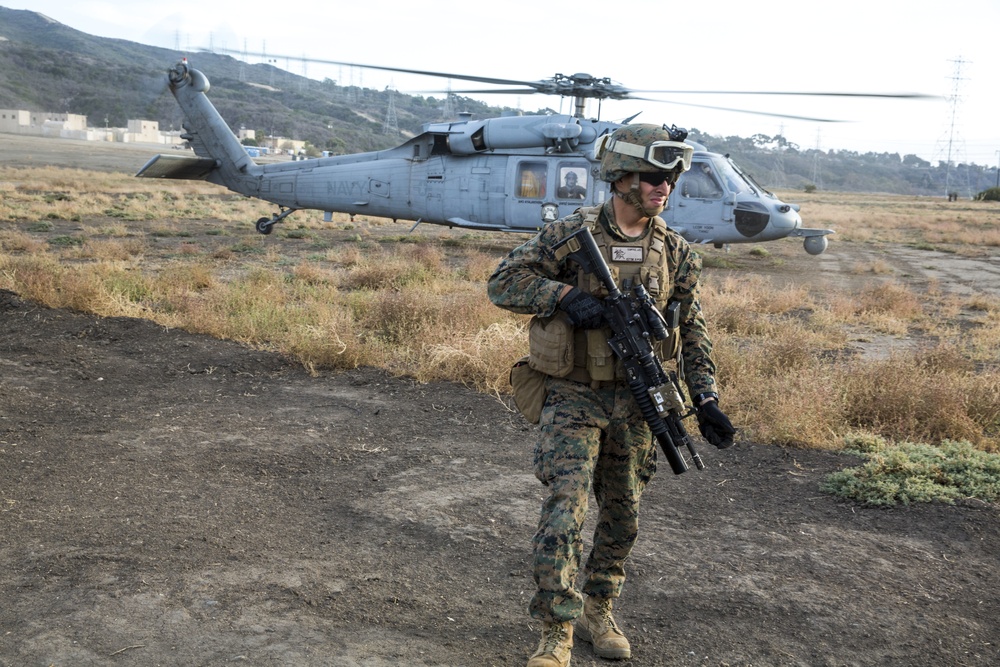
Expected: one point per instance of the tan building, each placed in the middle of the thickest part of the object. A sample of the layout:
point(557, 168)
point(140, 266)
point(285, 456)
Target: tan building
point(74, 126)
point(43, 123)
point(12, 120)
point(143, 131)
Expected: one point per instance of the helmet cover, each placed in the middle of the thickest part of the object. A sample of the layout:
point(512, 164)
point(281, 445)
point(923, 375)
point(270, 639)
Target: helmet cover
point(643, 148)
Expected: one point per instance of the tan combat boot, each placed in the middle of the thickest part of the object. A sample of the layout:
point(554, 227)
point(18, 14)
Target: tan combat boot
point(598, 627)
point(554, 649)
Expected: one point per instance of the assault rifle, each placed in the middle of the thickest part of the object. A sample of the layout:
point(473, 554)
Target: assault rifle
point(635, 323)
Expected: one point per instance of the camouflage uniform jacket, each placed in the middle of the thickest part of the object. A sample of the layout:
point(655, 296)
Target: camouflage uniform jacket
point(530, 279)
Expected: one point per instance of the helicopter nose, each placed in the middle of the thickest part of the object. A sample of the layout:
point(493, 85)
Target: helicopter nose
point(786, 217)
point(766, 220)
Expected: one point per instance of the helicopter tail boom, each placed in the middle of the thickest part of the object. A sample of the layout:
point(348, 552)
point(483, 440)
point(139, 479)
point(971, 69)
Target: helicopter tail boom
point(221, 159)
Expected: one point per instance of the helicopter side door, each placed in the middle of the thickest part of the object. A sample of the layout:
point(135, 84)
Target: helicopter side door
point(544, 190)
point(530, 187)
point(428, 183)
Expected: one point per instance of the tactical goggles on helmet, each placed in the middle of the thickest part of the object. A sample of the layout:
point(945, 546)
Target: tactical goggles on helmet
point(666, 155)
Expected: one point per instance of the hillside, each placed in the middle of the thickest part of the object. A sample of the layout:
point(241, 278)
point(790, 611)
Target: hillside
point(47, 66)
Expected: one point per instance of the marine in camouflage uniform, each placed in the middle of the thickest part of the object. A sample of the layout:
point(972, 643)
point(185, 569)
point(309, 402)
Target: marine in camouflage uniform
point(592, 432)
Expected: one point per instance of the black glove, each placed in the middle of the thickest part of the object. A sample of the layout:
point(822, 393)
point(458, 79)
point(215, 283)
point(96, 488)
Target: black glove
point(584, 310)
point(715, 425)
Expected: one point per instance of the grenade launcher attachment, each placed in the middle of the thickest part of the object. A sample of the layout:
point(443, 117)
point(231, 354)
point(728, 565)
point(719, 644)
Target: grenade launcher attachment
point(635, 323)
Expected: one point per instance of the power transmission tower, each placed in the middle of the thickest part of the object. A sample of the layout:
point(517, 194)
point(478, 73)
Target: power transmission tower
point(817, 175)
point(952, 145)
point(243, 62)
point(391, 124)
point(448, 110)
point(352, 93)
point(272, 63)
point(777, 176)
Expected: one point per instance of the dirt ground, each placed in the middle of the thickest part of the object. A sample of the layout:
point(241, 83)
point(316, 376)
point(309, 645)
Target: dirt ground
point(172, 499)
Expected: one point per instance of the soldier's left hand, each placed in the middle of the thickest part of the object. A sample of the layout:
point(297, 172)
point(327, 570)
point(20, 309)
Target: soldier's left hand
point(715, 425)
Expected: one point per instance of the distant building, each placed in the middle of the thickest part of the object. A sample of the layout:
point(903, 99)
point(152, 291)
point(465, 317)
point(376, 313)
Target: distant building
point(74, 126)
point(43, 123)
point(12, 120)
point(143, 131)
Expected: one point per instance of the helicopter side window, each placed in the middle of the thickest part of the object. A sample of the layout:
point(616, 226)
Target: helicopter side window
point(701, 182)
point(531, 180)
point(573, 183)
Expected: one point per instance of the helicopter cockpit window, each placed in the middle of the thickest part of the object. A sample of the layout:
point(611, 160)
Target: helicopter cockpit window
point(531, 182)
point(734, 180)
point(572, 183)
point(701, 182)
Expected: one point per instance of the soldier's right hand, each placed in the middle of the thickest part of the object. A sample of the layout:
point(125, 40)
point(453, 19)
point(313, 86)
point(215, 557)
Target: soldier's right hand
point(715, 425)
point(584, 310)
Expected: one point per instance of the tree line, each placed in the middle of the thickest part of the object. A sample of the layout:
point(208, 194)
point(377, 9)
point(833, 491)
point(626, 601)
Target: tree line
point(779, 164)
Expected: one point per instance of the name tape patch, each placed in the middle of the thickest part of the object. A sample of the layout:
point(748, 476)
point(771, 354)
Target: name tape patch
point(626, 254)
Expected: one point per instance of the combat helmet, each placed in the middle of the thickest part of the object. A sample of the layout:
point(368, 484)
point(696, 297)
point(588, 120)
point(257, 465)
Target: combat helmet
point(644, 148)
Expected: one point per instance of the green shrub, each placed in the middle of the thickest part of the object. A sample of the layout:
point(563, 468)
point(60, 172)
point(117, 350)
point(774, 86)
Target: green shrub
point(716, 262)
point(916, 472)
point(66, 241)
point(989, 194)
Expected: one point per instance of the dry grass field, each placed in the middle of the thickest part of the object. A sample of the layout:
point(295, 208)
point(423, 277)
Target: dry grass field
point(298, 449)
point(894, 332)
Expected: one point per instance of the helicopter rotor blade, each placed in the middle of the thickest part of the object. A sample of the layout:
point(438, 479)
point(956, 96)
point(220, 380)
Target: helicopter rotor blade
point(900, 96)
point(403, 70)
point(584, 86)
point(734, 110)
point(502, 91)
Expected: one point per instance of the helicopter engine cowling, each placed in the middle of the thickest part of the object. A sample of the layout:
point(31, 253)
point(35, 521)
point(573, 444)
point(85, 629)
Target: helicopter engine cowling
point(559, 133)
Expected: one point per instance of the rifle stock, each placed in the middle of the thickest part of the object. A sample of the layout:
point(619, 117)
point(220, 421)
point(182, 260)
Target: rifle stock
point(635, 323)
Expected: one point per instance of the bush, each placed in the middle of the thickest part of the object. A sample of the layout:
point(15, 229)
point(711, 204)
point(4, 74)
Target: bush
point(917, 472)
point(989, 194)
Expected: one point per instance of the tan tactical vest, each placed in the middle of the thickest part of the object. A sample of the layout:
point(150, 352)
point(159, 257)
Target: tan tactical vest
point(642, 261)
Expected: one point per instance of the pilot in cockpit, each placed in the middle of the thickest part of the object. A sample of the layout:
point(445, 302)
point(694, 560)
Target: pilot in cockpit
point(700, 183)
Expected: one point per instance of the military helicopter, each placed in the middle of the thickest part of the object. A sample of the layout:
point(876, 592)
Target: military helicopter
point(509, 174)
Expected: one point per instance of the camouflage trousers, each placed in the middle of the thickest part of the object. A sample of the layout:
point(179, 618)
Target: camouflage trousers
point(590, 439)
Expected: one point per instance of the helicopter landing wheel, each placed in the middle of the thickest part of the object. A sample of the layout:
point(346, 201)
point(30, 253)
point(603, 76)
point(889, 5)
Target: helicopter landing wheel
point(265, 225)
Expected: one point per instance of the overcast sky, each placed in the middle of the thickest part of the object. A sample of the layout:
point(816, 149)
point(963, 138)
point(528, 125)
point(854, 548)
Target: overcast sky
point(948, 49)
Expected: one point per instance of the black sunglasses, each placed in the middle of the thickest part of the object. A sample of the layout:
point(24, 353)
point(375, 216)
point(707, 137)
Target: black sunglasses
point(655, 178)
